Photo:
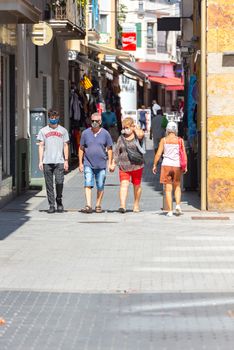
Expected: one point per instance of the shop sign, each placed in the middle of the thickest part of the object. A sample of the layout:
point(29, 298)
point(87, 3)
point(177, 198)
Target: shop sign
point(129, 37)
point(42, 33)
point(110, 58)
point(129, 41)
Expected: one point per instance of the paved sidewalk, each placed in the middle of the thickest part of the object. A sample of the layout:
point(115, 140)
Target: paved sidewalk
point(110, 281)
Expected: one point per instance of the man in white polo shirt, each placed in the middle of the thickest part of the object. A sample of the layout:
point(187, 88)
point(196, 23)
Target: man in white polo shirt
point(53, 159)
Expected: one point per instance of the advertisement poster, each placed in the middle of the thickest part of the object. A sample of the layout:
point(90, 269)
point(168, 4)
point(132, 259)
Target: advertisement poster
point(129, 38)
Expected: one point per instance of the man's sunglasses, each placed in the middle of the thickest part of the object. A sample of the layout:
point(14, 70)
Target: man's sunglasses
point(53, 114)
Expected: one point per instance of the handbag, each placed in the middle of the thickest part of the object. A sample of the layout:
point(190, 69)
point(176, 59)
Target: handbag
point(183, 158)
point(134, 155)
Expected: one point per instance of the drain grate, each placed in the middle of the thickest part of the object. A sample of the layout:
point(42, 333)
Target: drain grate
point(210, 218)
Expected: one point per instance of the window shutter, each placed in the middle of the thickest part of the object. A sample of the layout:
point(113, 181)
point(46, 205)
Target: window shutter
point(138, 29)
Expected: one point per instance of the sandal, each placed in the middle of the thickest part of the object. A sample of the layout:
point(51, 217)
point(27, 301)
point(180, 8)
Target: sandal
point(122, 210)
point(86, 210)
point(98, 209)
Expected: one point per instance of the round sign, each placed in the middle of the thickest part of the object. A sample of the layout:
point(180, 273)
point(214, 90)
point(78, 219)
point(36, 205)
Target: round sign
point(42, 33)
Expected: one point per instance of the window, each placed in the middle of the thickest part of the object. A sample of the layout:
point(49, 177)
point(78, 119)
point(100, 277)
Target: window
point(150, 35)
point(103, 23)
point(162, 42)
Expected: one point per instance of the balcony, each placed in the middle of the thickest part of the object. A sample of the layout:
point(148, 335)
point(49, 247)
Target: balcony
point(18, 11)
point(93, 25)
point(67, 18)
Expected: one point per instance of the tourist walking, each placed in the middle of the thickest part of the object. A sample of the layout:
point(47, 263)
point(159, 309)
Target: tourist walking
point(94, 152)
point(128, 155)
point(53, 159)
point(157, 131)
point(171, 171)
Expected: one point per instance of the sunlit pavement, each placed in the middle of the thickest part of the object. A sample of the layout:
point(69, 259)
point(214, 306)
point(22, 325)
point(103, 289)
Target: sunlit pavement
point(115, 281)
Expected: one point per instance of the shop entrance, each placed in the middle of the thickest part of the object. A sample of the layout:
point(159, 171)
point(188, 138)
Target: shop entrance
point(4, 116)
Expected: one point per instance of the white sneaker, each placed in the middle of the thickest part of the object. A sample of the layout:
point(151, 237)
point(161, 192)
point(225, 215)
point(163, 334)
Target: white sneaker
point(178, 210)
point(169, 214)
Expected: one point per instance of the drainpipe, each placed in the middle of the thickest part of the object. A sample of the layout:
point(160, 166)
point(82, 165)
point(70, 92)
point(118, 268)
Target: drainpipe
point(203, 106)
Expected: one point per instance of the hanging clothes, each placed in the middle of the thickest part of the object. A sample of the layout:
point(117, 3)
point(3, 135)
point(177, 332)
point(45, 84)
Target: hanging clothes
point(75, 106)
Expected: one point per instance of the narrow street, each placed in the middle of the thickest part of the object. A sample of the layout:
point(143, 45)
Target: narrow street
point(112, 281)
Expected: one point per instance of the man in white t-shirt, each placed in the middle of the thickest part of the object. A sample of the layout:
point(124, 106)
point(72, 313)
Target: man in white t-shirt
point(155, 107)
point(53, 159)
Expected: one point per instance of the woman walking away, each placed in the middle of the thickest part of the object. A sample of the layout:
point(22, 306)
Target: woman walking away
point(129, 157)
point(170, 170)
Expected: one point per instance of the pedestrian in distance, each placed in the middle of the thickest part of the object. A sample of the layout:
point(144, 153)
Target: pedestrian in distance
point(155, 107)
point(109, 122)
point(94, 153)
point(142, 118)
point(129, 170)
point(171, 172)
point(53, 159)
point(157, 131)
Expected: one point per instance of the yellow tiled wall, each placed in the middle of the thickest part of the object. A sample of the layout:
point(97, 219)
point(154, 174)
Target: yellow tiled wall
point(220, 105)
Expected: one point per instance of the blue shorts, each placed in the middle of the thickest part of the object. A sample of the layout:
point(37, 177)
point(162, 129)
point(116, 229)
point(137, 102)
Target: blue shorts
point(98, 174)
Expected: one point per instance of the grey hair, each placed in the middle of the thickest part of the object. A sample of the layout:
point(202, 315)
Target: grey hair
point(172, 127)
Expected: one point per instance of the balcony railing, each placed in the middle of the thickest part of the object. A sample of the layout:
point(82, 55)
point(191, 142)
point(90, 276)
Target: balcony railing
point(67, 17)
point(72, 11)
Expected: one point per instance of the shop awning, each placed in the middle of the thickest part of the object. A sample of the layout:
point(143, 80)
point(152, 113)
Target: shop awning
point(128, 69)
point(76, 56)
point(171, 84)
point(18, 11)
point(109, 51)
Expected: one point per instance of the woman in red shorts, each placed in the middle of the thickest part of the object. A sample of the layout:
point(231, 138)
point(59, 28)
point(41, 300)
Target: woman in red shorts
point(170, 170)
point(128, 171)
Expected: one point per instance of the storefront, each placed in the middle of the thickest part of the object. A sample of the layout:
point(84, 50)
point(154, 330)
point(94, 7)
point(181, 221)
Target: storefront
point(7, 108)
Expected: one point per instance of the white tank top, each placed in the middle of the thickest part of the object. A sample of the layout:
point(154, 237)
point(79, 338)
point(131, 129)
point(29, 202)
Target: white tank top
point(171, 155)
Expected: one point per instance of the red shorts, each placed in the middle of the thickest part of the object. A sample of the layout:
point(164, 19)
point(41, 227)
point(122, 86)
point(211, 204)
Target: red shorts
point(134, 175)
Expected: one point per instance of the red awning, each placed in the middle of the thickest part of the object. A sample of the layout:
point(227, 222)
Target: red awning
point(146, 66)
point(170, 83)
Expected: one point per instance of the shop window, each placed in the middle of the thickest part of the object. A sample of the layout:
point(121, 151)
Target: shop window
point(150, 36)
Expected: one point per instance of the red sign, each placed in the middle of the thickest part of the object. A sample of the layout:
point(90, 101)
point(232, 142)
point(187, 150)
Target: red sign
point(129, 41)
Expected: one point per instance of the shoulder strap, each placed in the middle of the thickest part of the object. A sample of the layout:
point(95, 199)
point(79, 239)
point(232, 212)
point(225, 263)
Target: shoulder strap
point(124, 142)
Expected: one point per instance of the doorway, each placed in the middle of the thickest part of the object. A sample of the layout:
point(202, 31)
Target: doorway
point(4, 116)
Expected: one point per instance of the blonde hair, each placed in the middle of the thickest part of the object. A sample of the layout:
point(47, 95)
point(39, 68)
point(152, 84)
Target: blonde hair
point(127, 122)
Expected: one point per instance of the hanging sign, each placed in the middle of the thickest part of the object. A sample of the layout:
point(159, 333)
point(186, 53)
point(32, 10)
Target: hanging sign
point(129, 38)
point(42, 33)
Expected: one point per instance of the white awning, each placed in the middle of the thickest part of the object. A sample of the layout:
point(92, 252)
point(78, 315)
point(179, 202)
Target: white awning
point(109, 51)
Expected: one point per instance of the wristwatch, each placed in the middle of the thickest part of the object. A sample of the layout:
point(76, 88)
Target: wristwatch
point(66, 160)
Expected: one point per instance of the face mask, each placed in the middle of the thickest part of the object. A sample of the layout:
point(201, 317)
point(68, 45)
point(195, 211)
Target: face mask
point(53, 121)
point(95, 124)
point(126, 131)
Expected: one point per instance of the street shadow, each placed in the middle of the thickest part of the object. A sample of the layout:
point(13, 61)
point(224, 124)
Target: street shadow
point(15, 214)
point(191, 198)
